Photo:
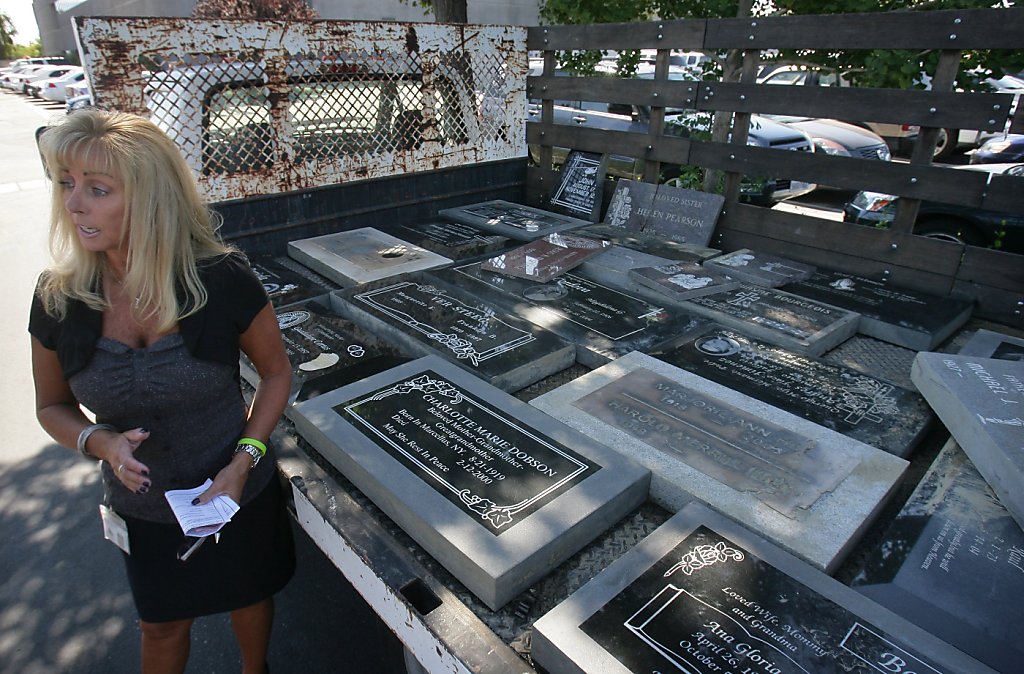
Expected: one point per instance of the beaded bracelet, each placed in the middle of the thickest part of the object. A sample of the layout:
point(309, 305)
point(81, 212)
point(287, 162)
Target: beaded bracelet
point(83, 438)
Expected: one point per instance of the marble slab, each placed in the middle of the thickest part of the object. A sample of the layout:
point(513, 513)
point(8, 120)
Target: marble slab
point(673, 213)
point(455, 240)
point(808, 327)
point(454, 323)
point(325, 350)
point(760, 268)
point(952, 562)
point(702, 595)
point(981, 402)
point(810, 490)
point(545, 258)
point(580, 186)
point(991, 344)
point(287, 281)
point(516, 221)
point(900, 316)
point(496, 491)
point(873, 411)
point(603, 322)
point(362, 255)
point(683, 280)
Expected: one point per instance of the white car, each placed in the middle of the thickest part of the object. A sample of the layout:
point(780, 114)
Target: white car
point(55, 89)
point(22, 81)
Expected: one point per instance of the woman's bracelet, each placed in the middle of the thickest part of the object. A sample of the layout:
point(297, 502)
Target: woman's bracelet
point(83, 438)
point(254, 448)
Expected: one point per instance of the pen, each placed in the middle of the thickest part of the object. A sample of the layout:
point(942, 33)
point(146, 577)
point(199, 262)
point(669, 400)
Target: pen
point(190, 545)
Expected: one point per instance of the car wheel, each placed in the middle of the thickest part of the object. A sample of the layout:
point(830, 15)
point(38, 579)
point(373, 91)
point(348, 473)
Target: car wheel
point(956, 231)
point(945, 144)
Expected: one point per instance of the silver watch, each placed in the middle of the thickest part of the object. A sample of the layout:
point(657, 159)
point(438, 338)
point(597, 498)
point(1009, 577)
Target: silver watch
point(251, 451)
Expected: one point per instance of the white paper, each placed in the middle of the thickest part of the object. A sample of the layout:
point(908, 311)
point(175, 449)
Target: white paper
point(204, 519)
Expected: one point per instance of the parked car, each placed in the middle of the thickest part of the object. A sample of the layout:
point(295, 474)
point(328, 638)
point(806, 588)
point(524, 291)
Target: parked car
point(949, 222)
point(1000, 149)
point(78, 96)
point(839, 138)
point(56, 89)
point(899, 137)
point(21, 82)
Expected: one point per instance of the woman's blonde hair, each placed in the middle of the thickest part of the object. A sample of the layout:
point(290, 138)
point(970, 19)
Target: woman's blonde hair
point(169, 228)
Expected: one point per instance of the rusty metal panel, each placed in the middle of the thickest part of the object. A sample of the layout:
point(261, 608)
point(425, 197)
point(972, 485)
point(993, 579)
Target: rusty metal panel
point(262, 107)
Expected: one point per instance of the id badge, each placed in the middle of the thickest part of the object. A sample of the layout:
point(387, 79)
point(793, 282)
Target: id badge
point(114, 528)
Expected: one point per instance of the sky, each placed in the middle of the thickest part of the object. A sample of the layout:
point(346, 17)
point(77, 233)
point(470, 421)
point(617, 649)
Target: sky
point(24, 20)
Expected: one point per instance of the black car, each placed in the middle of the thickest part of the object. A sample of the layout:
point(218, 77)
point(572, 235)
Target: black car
point(972, 226)
point(1000, 150)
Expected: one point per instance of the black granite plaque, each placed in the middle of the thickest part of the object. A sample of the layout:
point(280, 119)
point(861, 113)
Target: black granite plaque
point(898, 315)
point(455, 240)
point(581, 186)
point(544, 259)
point(873, 411)
point(494, 469)
point(604, 323)
point(287, 282)
point(502, 349)
point(631, 200)
point(710, 606)
point(652, 244)
point(952, 562)
point(515, 221)
point(683, 280)
point(760, 268)
point(672, 213)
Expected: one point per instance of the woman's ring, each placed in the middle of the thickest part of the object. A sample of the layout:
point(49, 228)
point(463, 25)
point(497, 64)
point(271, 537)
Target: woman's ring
point(120, 468)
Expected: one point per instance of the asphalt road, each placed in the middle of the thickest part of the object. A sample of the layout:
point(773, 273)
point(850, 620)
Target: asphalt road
point(64, 600)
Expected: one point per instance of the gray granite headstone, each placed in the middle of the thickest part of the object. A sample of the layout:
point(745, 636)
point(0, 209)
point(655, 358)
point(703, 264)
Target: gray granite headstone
point(496, 491)
point(810, 490)
point(897, 315)
point(458, 325)
point(990, 344)
point(612, 268)
point(683, 280)
point(362, 255)
point(325, 350)
point(857, 405)
point(702, 595)
point(516, 221)
point(545, 258)
point(652, 244)
point(673, 213)
point(760, 268)
point(581, 187)
point(287, 281)
point(952, 562)
point(455, 240)
point(981, 402)
point(603, 322)
point(797, 323)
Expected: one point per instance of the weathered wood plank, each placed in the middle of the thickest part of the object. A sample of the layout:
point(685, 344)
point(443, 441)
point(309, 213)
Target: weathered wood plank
point(992, 268)
point(668, 93)
point(687, 34)
point(671, 149)
point(949, 110)
point(1004, 193)
point(945, 29)
point(995, 304)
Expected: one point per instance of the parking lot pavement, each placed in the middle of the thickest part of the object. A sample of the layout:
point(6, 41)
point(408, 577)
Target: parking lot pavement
point(64, 602)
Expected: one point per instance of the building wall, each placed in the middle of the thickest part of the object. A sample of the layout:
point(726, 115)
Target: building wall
point(57, 36)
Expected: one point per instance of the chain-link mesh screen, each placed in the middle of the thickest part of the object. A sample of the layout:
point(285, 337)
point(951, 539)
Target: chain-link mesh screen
point(253, 119)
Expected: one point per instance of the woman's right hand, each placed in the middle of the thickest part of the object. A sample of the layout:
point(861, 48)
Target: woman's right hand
point(118, 450)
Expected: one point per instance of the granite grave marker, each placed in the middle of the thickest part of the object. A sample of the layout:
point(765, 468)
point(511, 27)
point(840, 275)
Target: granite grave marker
point(900, 316)
point(612, 268)
point(857, 405)
point(362, 255)
point(810, 490)
point(683, 280)
point(287, 281)
point(545, 258)
point(952, 562)
point(603, 322)
point(674, 213)
point(702, 595)
point(760, 268)
point(425, 319)
point(797, 323)
point(580, 189)
point(652, 244)
point(516, 221)
point(990, 344)
point(496, 491)
point(981, 402)
point(455, 240)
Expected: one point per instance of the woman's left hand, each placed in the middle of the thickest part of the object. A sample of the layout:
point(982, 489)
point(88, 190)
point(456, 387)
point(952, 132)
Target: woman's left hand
point(230, 480)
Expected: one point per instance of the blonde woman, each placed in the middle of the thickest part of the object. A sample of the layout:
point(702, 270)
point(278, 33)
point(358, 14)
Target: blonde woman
point(140, 320)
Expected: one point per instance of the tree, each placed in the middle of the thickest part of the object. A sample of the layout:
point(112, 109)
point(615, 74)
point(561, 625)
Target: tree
point(444, 11)
point(7, 33)
point(253, 9)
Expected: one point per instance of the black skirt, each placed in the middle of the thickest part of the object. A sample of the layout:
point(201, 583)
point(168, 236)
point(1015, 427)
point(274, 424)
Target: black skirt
point(254, 559)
